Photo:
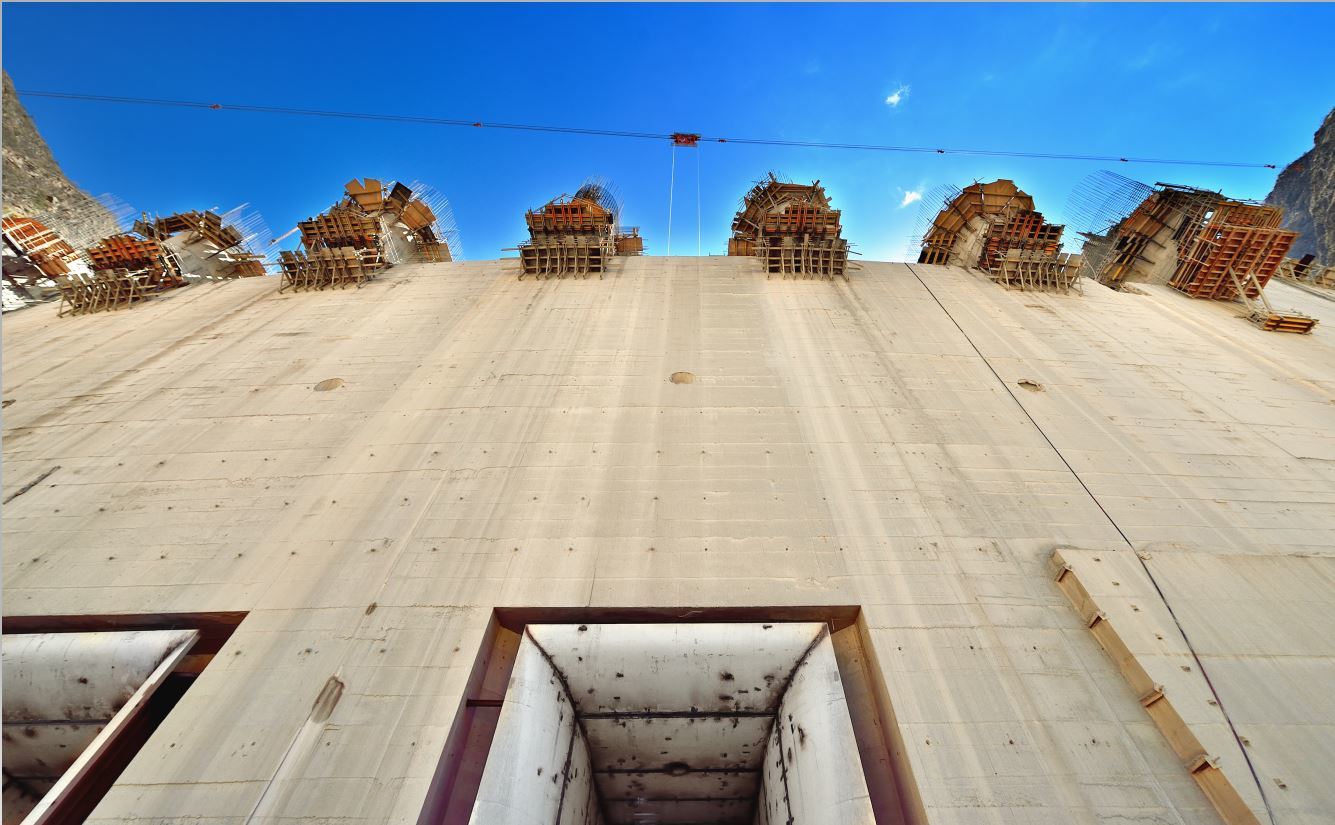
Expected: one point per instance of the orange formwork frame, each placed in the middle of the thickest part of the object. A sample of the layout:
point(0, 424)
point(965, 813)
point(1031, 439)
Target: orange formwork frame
point(792, 229)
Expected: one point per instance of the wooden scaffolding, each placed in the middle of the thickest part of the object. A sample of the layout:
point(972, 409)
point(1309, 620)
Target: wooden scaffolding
point(792, 229)
point(126, 269)
point(372, 227)
point(572, 236)
point(221, 245)
point(994, 226)
point(47, 250)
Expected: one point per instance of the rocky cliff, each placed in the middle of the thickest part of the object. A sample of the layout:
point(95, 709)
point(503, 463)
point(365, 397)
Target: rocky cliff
point(1306, 190)
point(33, 182)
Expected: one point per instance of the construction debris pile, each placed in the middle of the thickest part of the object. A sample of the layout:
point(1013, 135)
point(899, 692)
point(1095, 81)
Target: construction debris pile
point(577, 235)
point(204, 245)
point(994, 227)
point(373, 227)
point(1202, 244)
point(792, 229)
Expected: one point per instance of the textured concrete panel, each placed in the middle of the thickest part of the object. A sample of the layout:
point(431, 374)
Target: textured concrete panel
point(497, 442)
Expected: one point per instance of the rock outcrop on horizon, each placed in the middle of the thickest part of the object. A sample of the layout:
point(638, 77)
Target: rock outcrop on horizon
point(34, 183)
point(1306, 190)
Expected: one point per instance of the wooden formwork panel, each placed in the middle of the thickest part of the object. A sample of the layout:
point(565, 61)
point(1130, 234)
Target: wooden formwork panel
point(47, 250)
point(792, 229)
point(108, 289)
point(777, 214)
point(338, 228)
point(136, 255)
point(119, 251)
point(772, 196)
point(417, 216)
point(1021, 229)
point(575, 215)
point(1011, 219)
point(744, 247)
point(245, 266)
point(801, 219)
point(328, 268)
point(1203, 271)
point(398, 199)
point(992, 198)
point(805, 258)
point(435, 251)
point(1284, 322)
point(369, 195)
point(629, 243)
point(936, 248)
point(1258, 215)
point(1037, 271)
point(207, 225)
point(574, 257)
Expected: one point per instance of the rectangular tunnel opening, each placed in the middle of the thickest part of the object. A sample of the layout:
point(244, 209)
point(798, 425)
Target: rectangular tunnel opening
point(83, 694)
point(616, 722)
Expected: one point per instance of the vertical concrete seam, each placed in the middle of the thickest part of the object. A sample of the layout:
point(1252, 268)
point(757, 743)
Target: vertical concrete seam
point(1270, 814)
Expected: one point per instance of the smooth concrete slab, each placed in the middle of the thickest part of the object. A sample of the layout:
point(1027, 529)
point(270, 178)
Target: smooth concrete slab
point(497, 442)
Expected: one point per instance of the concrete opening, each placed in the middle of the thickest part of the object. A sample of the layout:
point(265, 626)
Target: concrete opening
point(669, 724)
point(82, 694)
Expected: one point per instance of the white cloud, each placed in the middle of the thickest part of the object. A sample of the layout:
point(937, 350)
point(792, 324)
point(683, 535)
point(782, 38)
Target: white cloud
point(912, 196)
point(897, 96)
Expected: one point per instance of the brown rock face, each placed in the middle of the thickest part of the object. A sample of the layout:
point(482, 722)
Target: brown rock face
point(1306, 190)
point(33, 181)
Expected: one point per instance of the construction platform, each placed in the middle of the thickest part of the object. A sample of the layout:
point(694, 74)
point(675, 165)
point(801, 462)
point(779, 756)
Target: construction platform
point(577, 235)
point(376, 491)
point(792, 229)
point(374, 226)
point(994, 226)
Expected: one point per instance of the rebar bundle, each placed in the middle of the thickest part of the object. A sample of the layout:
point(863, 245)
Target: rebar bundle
point(626, 240)
point(83, 225)
point(446, 243)
point(1102, 199)
point(931, 203)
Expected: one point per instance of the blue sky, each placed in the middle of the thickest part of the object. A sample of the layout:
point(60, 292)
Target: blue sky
point(1123, 79)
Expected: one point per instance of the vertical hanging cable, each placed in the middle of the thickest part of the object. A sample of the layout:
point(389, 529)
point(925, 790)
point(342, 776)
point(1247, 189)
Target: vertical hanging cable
point(698, 241)
point(672, 180)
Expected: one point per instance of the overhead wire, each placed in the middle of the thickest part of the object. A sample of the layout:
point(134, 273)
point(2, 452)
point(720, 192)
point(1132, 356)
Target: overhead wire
point(626, 133)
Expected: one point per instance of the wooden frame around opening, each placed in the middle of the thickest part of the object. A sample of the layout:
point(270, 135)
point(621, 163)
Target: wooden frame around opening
point(75, 799)
point(894, 793)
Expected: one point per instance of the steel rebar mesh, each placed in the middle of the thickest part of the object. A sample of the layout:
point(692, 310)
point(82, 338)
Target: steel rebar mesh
point(444, 227)
point(929, 206)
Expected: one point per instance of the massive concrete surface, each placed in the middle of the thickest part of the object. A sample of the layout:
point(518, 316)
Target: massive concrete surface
point(917, 441)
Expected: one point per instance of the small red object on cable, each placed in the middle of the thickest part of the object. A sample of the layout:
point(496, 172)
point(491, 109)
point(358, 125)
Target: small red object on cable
point(685, 139)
